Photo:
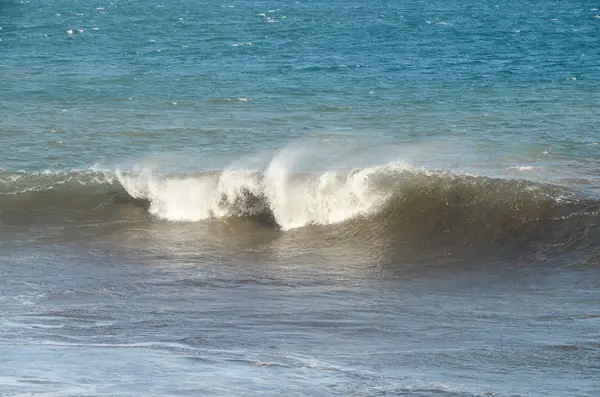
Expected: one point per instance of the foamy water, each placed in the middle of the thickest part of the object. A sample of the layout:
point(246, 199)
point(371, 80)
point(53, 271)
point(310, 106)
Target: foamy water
point(295, 200)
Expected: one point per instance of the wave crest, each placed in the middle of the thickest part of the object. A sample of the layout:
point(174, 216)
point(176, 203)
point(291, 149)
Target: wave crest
point(290, 201)
point(392, 208)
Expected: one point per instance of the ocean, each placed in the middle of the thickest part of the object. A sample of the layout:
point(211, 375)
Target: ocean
point(299, 198)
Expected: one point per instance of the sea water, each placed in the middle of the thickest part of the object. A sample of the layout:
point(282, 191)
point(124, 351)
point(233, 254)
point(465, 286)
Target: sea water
point(299, 198)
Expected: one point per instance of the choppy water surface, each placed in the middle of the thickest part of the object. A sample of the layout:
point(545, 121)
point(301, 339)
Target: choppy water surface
point(299, 198)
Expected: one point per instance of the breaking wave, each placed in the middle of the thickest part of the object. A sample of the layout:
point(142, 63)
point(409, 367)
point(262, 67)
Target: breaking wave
point(392, 202)
point(286, 200)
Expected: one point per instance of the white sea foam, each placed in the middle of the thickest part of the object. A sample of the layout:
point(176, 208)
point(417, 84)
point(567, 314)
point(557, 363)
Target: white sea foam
point(522, 167)
point(294, 199)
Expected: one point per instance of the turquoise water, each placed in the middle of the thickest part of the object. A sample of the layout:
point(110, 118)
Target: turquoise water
point(512, 82)
point(299, 198)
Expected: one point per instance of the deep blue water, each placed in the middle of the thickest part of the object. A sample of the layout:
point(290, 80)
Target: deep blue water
point(139, 77)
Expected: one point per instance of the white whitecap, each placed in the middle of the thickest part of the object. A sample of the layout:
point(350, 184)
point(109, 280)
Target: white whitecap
point(295, 200)
point(522, 167)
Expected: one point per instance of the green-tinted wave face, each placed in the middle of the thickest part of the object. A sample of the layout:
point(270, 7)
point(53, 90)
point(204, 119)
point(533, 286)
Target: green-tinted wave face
point(390, 211)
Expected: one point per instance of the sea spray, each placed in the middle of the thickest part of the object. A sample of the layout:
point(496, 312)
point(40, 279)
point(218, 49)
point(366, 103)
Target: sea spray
point(292, 200)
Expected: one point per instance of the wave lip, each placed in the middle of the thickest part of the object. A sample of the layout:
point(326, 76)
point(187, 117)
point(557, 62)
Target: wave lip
point(285, 199)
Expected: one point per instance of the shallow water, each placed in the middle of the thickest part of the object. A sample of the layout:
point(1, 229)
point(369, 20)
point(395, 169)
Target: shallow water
point(299, 198)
